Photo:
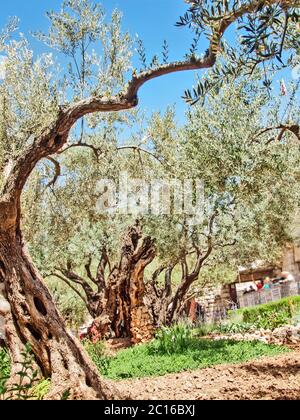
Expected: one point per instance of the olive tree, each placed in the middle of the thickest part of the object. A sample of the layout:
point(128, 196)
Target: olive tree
point(223, 146)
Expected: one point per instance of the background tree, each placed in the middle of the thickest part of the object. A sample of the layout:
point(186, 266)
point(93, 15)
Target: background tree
point(249, 204)
point(249, 198)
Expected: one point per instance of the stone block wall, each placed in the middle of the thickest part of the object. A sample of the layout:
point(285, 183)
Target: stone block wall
point(142, 328)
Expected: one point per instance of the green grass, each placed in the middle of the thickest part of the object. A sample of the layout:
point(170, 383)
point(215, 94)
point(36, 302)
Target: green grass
point(146, 360)
point(150, 360)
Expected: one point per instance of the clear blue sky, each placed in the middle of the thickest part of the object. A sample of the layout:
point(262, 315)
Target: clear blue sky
point(152, 20)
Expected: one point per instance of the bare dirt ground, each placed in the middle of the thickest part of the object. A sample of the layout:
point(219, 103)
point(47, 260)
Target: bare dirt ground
point(275, 378)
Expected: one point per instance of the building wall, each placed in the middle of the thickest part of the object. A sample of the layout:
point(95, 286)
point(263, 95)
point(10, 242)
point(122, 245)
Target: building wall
point(291, 260)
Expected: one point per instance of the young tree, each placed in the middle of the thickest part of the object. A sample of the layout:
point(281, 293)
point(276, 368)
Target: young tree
point(38, 125)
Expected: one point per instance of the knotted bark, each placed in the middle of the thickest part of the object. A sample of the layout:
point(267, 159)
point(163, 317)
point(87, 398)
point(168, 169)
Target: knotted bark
point(33, 318)
point(123, 312)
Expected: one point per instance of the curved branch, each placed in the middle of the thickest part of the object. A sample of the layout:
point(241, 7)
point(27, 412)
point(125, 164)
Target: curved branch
point(57, 173)
point(192, 64)
point(168, 281)
point(96, 150)
point(292, 128)
point(89, 271)
point(75, 278)
point(154, 279)
point(104, 261)
point(68, 283)
point(140, 149)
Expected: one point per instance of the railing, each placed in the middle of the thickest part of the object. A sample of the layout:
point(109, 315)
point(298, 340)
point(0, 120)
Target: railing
point(269, 295)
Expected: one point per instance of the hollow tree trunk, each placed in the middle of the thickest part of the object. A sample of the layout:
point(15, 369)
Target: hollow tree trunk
point(35, 320)
point(123, 311)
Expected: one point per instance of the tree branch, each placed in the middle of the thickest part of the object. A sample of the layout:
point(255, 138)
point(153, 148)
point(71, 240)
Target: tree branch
point(57, 173)
point(75, 278)
point(68, 283)
point(89, 271)
point(140, 149)
point(96, 150)
point(154, 279)
point(168, 281)
point(203, 257)
point(104, 261)
point(292, 128)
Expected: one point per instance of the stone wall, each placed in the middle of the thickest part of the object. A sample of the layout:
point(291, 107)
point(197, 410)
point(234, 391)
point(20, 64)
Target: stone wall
point(142, 328)
point(289, 334)
point(214, 303)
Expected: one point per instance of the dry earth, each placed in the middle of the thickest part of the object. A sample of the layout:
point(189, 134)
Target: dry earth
point(265, 379)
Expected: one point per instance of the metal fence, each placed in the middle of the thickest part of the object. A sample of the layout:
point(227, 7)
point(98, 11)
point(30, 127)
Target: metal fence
point(269, 295)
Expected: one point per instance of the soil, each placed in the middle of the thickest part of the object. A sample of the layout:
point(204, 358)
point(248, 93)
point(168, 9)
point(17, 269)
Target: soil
point(270, 378)
point(113, 346)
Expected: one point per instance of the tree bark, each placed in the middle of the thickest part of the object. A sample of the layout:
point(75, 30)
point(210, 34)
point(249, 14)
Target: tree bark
point(166, 304)
point(35, 320)
point(123, 311)
point(117, 304)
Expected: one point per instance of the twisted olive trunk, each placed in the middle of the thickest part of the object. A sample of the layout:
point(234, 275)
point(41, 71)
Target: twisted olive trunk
point(123, 311)
point(34, 319)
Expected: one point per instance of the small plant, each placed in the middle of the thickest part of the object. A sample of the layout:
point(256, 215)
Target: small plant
point(66, 395)
point(296, 317)
point(234, 328)
point(4, 370)
point(39, 391)
point(174, 340)
point(26, 378)
point(204, 330)
point(96, 352)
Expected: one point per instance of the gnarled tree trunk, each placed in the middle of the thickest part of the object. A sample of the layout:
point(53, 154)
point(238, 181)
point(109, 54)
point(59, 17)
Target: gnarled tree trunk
point(34, 319)
point(166, 303)
point(123, 311)
point(117, 304)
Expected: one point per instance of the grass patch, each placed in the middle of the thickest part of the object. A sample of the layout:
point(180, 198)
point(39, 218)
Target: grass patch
point(147, 360)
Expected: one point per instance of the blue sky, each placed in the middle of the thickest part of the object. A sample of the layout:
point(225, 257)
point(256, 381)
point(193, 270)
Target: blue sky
point(153, 20)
